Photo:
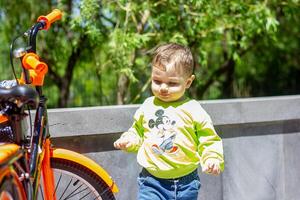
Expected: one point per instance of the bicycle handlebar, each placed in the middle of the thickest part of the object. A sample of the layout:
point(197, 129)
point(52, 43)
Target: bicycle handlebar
point(50, 18)
point(33, 69)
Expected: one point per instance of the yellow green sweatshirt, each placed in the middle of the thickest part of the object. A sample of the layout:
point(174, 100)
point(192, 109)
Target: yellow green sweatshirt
point(172, 139)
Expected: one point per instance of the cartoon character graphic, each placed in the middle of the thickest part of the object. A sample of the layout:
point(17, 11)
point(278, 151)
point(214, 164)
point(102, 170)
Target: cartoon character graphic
point(164, 131)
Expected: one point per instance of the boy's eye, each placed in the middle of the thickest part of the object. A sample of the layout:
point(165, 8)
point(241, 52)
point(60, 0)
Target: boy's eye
point(173, 84)
point(157, 82)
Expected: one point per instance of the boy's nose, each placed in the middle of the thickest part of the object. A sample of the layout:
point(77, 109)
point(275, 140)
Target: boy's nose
point(164, 87)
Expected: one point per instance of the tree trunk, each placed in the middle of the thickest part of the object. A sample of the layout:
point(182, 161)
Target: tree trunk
point(228, 83)
point(65, 81)
point(123, 83)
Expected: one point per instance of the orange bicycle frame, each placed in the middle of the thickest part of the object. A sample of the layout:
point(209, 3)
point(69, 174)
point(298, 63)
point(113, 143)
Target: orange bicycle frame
point(48, 177)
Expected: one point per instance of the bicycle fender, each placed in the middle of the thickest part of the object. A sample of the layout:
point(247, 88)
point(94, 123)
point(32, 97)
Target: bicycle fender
point(88, 163)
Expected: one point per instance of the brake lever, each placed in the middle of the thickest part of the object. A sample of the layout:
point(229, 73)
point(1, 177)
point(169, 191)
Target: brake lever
point(20, 52)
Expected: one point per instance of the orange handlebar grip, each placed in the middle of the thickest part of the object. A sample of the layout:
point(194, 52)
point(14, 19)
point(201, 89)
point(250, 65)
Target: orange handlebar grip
point(36, 79)
point(55, 15)
point(32, 61)
point(37, 69)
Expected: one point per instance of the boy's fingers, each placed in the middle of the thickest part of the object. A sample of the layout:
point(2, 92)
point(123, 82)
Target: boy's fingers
point(212, 167)
point(120, 144)
point(206, 170)
point(216, 170)
point(116, 144)
point(123, 145)
point(208, 165)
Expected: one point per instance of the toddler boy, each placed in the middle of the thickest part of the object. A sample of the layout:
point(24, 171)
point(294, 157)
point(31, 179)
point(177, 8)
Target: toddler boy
point(171, 133)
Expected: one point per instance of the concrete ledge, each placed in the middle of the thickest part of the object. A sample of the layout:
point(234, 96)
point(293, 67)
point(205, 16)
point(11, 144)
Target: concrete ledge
point(117, 119)
point(104, 142)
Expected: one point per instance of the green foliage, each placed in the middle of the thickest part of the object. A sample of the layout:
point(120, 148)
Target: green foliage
point(241, 48)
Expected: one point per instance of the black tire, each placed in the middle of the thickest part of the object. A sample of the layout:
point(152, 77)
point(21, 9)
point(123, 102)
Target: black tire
point(77, 175)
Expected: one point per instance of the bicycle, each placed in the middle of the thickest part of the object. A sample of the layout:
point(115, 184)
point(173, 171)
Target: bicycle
point(30, 168)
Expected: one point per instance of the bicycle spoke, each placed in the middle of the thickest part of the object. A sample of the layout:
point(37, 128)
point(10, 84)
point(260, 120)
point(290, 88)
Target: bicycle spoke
point(70, 186)
point(77, 193)
point(66, 189)
point(57, 184)
point(70, 195)
point(41, 192)
point(97, 197)
point(101, 194)
point(85, 196)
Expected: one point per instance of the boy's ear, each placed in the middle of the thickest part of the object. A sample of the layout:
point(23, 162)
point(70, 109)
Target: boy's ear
point(189, 81)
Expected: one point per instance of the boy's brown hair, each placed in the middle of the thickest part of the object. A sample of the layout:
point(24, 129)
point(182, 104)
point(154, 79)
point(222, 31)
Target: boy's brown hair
point(178, 55)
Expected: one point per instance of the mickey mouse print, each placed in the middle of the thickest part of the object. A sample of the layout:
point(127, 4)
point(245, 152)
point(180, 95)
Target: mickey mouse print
point(163, 133)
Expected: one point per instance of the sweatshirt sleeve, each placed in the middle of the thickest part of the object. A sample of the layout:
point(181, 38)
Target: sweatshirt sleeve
point(136, 132)
point(210, 144)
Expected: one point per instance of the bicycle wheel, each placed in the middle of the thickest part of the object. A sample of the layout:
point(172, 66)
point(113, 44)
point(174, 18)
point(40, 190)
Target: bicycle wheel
point(10, 187)
point(74, 181)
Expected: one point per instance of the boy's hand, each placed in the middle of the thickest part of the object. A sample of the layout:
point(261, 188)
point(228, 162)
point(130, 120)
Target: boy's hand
point(212, 166)
point(124, 143)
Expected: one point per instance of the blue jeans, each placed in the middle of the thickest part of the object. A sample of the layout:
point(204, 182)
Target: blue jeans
point(153, 188)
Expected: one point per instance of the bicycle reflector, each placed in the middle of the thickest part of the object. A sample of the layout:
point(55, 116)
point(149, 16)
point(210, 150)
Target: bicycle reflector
point(55, 15)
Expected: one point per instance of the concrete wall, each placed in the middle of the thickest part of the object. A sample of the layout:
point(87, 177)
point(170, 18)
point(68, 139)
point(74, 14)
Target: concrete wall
point(261, 146)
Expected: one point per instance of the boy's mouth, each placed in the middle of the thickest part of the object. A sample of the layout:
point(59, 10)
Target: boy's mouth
point(164, 94)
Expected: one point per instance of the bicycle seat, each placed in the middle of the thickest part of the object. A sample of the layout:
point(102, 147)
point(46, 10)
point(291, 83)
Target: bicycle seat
point(23, 93)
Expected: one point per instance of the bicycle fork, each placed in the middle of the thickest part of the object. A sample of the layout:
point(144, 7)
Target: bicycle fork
point(47, 172)
point(41, 153)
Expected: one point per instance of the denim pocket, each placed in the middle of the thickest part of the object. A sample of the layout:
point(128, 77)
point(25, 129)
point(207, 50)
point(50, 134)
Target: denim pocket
point(196, 184)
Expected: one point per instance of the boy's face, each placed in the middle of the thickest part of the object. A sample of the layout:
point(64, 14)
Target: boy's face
point(169, 85)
